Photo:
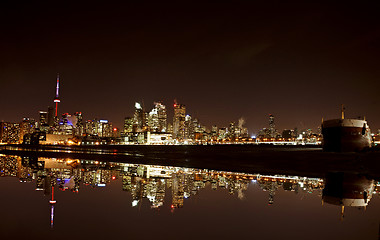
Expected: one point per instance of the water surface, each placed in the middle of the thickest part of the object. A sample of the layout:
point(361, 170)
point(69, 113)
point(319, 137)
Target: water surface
point(96, 199)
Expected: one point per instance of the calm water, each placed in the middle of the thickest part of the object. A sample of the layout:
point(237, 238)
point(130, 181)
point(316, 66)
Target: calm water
point(97, 200)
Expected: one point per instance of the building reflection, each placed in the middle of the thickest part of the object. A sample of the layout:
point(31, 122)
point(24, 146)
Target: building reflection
point(153, 182)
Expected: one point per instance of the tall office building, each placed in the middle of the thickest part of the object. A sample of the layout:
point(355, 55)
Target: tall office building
point(157, 118)
point(189, 128)
point(153, 120)
point(179, 121)
point(272, 126)
point(79, 128)
point(128, 125)
point(27, 126)
point(43, 118)
point(214, 131)
point(50, 113)
point(231, 130)
point(43, 122)
point(138, 117)
point(67, 124)
point(100, 128)
point(162, 117)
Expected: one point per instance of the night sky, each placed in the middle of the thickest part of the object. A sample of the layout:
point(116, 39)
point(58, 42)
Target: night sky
point(224, 61)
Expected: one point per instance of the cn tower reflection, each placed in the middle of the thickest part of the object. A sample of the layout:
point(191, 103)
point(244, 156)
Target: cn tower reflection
point(52, 203)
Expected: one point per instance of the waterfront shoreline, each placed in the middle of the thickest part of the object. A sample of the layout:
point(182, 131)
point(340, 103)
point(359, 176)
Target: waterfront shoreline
point(305, 161)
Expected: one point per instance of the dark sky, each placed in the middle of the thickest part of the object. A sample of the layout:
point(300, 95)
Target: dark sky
point(224, 61)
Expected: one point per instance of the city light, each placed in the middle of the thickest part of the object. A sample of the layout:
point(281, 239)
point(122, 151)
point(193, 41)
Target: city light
point(143, 127)
point(148, 128)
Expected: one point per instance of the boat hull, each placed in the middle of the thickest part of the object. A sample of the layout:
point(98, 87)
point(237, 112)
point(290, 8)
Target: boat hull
point(346, 135)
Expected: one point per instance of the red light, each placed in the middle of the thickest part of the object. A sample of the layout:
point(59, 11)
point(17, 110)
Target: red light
point(115, 129)
point(113, 177)
point(172, 206)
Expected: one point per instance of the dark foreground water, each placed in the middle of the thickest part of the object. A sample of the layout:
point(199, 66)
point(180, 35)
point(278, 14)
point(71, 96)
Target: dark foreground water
point(110, 200)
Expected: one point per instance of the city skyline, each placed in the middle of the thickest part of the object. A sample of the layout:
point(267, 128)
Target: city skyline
point(184, 126)
point(138, 104)
point(299, 62)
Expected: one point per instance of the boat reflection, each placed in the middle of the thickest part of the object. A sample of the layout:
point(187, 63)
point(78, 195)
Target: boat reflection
point(348, 190)
point(152, 182)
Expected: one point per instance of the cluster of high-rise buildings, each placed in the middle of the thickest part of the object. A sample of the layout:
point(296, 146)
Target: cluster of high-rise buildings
point(153, 127)
point(142, 127)
point(304, 136)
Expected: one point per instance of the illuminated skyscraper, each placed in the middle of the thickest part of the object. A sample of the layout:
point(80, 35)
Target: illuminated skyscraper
point(128, 125)
point(231, 130)
point(189, 129)
point(153, 120)
point(179, 121)
point(100, 128)
point(27, 126)
point(157, 118)
point(43, 117)
point(214, 132)
point(67, 123)
point(162, 117)
point(138, 117)
point(79, 129)
point(272, 126)
point(42, 124)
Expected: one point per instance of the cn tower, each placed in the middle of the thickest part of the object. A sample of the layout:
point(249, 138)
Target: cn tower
point(56, 99)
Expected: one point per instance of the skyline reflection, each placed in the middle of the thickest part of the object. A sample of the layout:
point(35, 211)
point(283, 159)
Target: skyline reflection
point(154, 182)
